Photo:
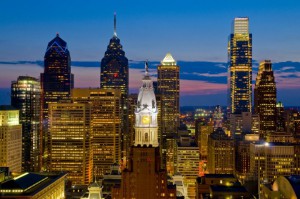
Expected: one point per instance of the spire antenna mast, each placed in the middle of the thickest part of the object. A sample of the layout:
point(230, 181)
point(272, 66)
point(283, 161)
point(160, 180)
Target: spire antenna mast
point(115, 24)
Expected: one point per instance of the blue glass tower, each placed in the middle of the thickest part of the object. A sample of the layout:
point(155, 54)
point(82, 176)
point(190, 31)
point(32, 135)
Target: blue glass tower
point(240, 67)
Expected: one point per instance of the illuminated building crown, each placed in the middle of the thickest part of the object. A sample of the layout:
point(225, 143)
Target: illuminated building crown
point(146, 114)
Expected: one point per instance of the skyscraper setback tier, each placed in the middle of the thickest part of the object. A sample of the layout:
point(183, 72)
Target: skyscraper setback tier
point(265, 98)
point(114, 75)
point(240, 67)
point(25, 96)
point(56, 81)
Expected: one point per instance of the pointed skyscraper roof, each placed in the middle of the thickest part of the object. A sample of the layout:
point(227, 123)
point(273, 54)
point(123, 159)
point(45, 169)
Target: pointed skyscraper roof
point(168, 60)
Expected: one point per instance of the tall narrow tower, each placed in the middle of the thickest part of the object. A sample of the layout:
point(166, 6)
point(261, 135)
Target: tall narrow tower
point(265, 98)
point(240, 67)
point(56, 82)
point(146, 114)
point(114, 75)
point(25, 96)
point(168, 88)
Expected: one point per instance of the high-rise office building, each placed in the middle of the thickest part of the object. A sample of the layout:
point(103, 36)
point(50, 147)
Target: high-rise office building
point(188, 163)
point(168, 88)
point(26, 97)
point(168, 91)
point(245, 123)
point(56, 83)
point(114, 75)
point(144, 178)
point(265, 98)
point(280, 120)
point(221, 153)
point(132, 101)
point(240, 67)
point(105, 126)
point(10, 139)
point(268, 161)
point(70, 141)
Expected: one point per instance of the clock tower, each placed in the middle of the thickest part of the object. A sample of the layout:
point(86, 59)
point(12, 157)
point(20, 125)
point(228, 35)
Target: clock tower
point(143, 178)
point(146, 114)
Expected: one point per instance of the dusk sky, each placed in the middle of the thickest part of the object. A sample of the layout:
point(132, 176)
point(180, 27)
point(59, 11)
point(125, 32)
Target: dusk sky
point(190, 30)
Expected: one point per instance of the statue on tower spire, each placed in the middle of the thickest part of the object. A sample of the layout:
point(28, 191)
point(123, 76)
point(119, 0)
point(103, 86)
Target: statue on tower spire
point(146, 68)
point(115, 24)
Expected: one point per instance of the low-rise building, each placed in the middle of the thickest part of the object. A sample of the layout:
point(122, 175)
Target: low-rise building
point(34, 186)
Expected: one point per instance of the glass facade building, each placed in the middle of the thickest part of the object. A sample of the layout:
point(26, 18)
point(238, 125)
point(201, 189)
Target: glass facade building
point(240, 67)
point(265, 98)
point(26, 97)
point(56, 81)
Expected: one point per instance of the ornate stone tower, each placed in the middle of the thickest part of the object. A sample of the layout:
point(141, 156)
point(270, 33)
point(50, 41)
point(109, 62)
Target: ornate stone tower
point(143, 178)
point(146, 114)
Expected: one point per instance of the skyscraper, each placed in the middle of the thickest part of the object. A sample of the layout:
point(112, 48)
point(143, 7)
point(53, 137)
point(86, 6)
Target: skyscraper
point(240, 67)
point(168, 91)
point(144, 178)
point(280, 120)
point(70, 141)
point(105, 126)
point(26, 97)
point(56, 82)
point(221, 153)
point(114, 75)
point(265, 98)
point(10, 139)
point(168, 88)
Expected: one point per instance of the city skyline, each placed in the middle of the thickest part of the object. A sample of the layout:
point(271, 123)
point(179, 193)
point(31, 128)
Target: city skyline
point(207, 29)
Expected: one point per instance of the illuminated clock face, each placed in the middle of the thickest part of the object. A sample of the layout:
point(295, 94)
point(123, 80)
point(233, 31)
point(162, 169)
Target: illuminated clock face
point(146, 119)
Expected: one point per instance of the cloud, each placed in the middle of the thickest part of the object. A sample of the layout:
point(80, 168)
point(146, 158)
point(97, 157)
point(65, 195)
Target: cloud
point(287, 68)
point(287, 80)
point(194, 87)
point(225, 74)
point(221, 65)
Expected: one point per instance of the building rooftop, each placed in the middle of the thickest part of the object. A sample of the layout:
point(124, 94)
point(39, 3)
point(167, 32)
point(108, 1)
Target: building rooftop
point(219, 176)
point(28, 183)
point(219, 188)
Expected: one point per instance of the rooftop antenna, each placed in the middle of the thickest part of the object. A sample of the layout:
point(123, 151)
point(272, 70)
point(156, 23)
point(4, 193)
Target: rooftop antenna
point(115, 24)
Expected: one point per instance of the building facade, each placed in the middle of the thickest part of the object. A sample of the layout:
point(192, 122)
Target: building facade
point(56, 83)
point(240, 67)
point(70, 141)
point(188, 167)
point(10, 139)
point(114, 75)
point(168, 88)
point(221, 153)
point(265, 98)
point(26, 97)
point(273, 159)
point(105, 126)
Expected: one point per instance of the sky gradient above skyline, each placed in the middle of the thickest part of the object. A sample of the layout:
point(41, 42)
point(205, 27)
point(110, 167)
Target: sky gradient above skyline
point(190, 30)
point(193, 31)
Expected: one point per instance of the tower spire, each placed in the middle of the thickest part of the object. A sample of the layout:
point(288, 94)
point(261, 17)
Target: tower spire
point(115, 24)
point(146, 68)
